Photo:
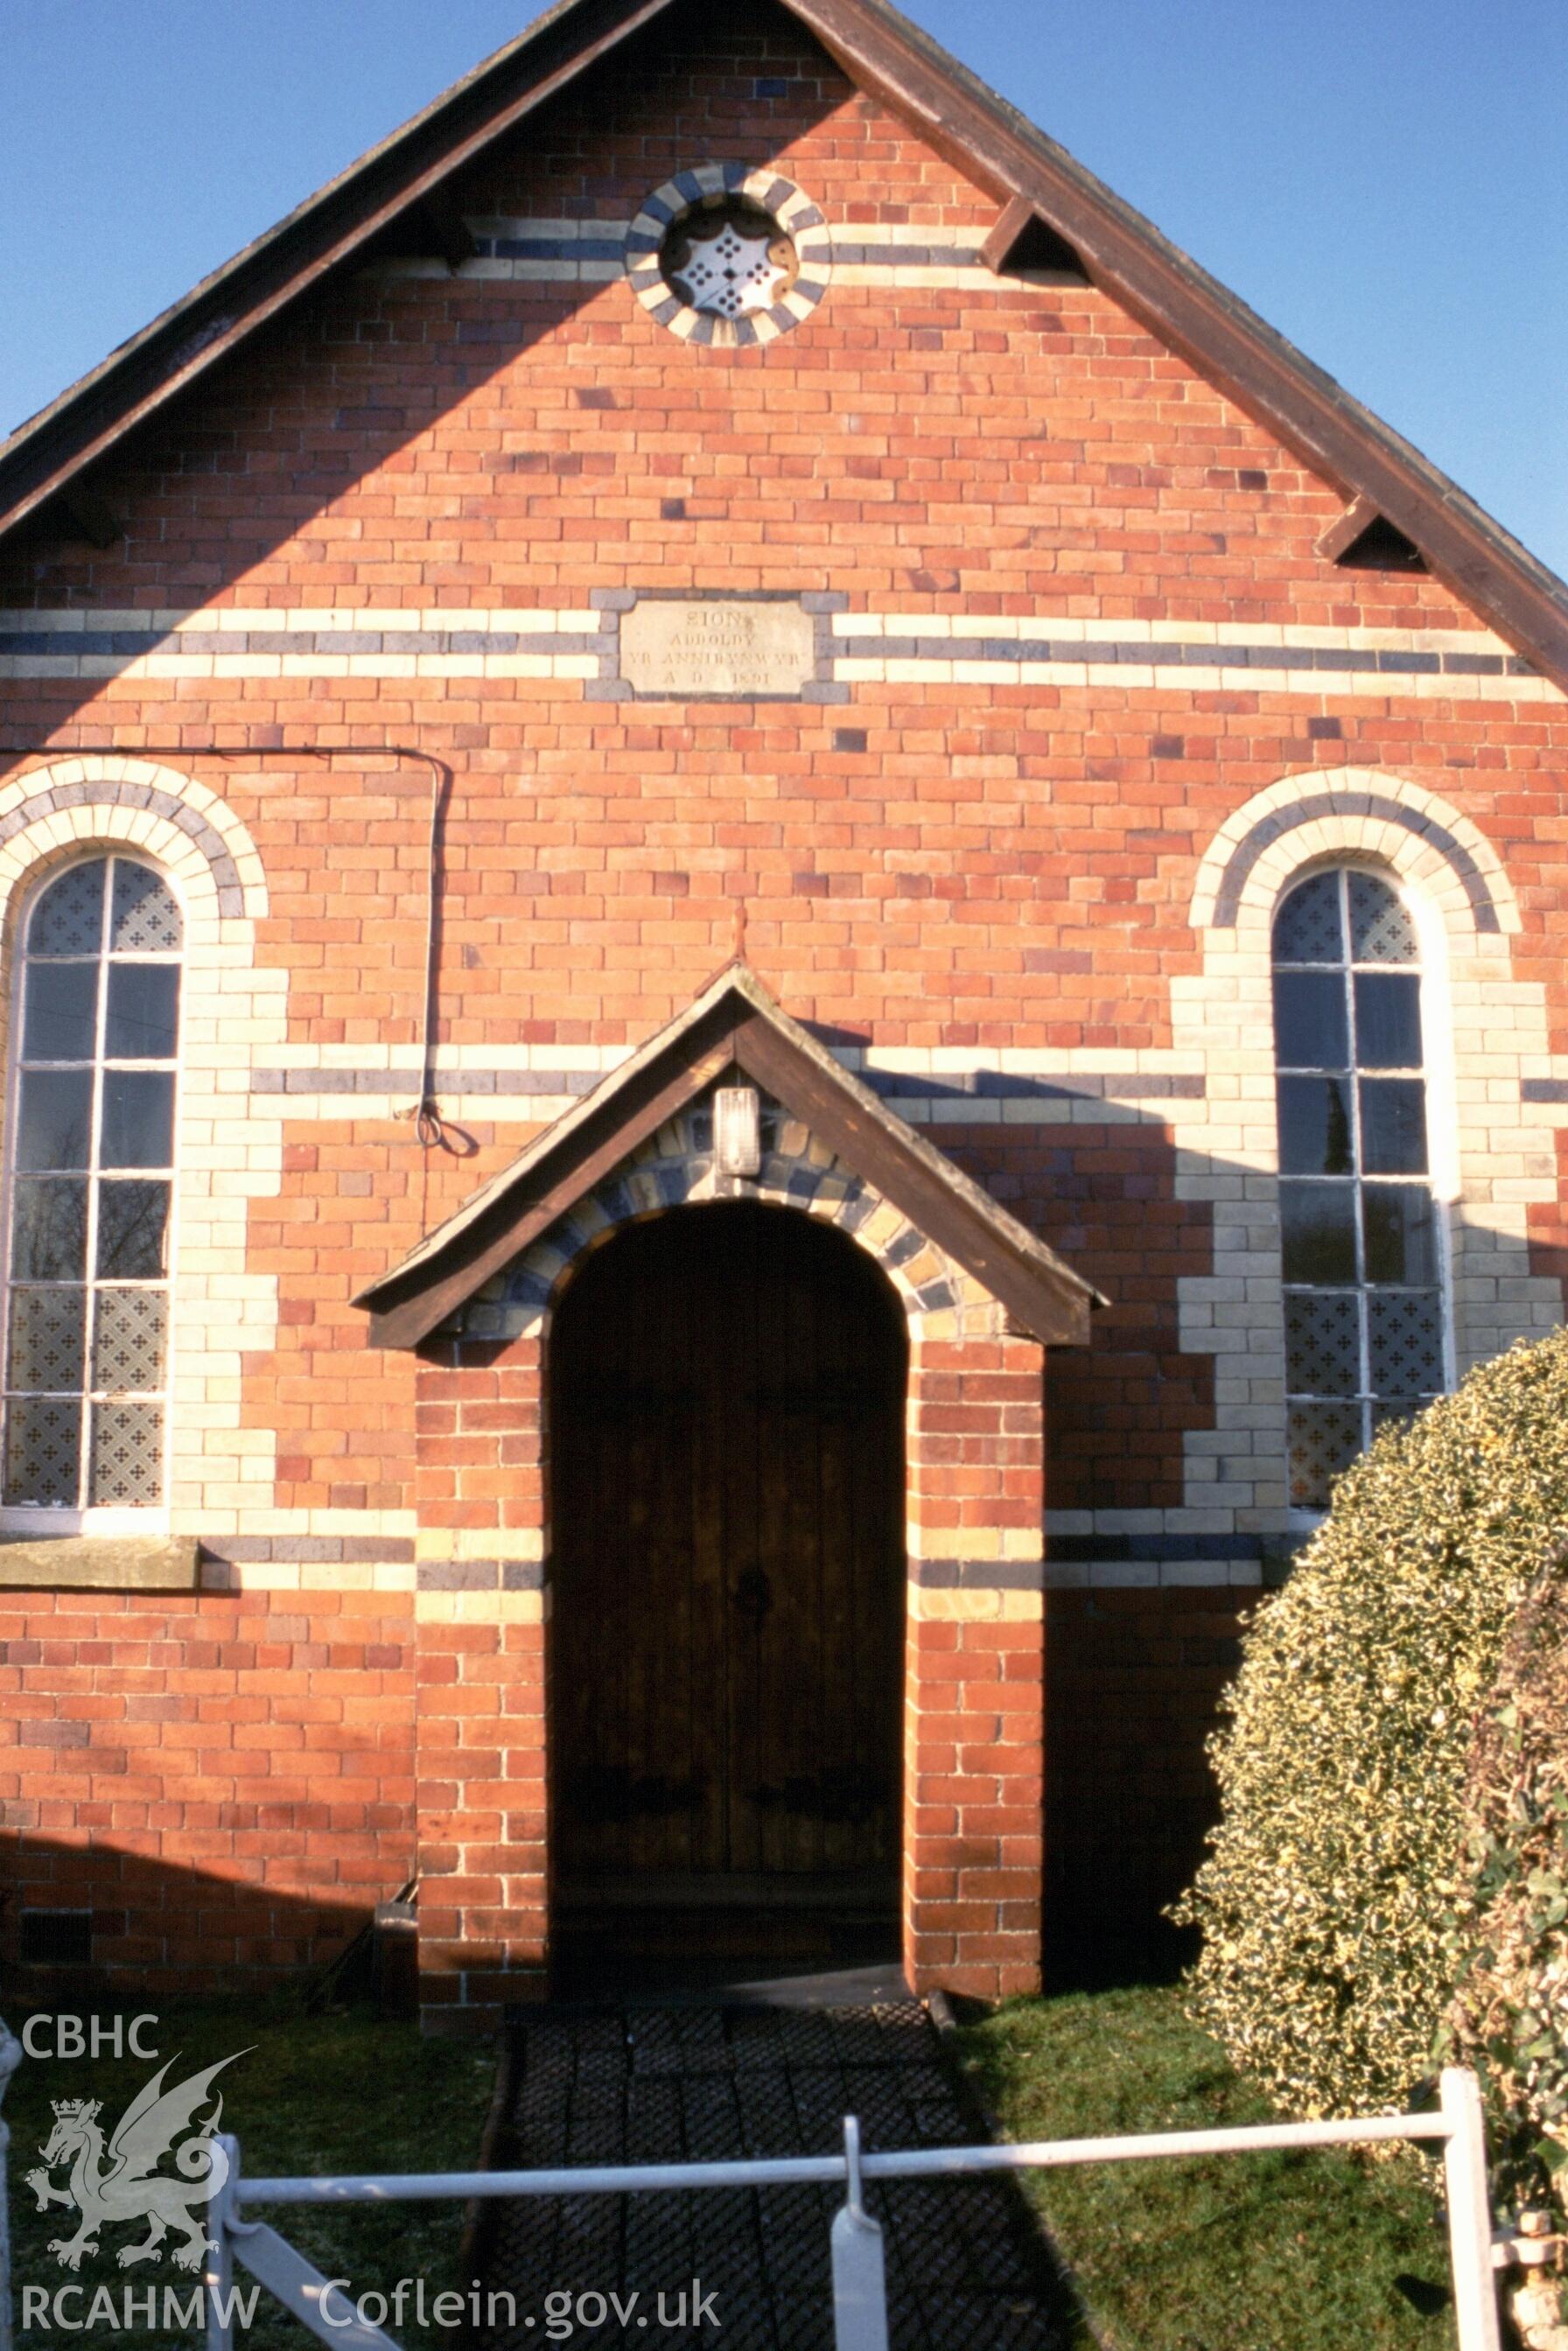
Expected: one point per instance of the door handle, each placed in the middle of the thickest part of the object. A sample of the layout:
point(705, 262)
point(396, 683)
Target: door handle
point(753, 1594)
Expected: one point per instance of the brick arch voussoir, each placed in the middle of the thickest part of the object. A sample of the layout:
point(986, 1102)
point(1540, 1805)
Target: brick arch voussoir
point(1304, 819)
point(73, 805)
point(675, 1169)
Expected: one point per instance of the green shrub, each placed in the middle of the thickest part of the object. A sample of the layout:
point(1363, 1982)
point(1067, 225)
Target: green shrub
point(1326, 1966)
point(1508, 1931)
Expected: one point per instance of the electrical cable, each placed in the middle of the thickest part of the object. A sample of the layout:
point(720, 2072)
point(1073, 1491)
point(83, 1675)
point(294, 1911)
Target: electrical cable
point(430, 1128)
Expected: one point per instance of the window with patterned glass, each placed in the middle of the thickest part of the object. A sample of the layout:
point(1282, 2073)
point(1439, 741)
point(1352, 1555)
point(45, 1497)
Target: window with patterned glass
point(1365, 1339)
point(90, 1163)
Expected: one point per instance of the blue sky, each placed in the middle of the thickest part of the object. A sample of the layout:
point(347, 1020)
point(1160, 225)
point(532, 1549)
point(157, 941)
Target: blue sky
point(1386, 181)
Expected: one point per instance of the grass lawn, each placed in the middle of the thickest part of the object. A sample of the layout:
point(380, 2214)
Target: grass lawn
point(1288, 2252)
point(315, 2094)
point(1275, 2253)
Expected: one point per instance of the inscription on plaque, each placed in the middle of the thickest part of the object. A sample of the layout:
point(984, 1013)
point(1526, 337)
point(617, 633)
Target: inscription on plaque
point(716, 646)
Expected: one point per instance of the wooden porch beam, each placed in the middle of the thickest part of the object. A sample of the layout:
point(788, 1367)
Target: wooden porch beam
point(1052, 1311)
point(495, 1240)
point(1023, 240)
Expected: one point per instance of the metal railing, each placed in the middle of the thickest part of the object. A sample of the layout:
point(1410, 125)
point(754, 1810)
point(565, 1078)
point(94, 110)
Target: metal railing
point(858, 2287)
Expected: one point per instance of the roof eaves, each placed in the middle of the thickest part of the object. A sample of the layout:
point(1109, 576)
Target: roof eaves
point(1129, 257)
point(1126, 254)
point(160, 360)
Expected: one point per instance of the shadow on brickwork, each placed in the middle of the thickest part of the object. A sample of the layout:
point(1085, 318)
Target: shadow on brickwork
point(78, 1921)
point(349, 377)
point(1130, 1693)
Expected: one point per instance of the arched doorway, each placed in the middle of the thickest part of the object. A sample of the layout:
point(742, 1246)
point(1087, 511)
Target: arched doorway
point(728, 1504)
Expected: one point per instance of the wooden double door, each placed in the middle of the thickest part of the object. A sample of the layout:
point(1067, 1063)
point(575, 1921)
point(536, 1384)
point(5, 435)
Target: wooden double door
point(727, 1407)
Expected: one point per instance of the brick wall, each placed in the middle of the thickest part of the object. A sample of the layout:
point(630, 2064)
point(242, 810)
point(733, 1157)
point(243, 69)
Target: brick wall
point(1133, 1681)
point(981, 879)
point(974, 1794)
point(227, 1781)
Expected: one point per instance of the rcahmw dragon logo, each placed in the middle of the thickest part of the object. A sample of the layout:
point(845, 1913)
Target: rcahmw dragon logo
point(119, 2183)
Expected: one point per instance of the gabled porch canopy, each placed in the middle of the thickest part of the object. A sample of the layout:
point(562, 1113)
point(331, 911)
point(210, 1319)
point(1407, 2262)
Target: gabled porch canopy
point(735, 1024)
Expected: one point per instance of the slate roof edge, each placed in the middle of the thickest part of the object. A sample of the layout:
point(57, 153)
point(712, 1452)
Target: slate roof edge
point(1483, 564)
point(1323, 421)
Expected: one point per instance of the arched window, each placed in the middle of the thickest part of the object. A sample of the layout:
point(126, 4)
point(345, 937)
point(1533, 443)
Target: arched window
point(1365, 1337)
point(90, 1162)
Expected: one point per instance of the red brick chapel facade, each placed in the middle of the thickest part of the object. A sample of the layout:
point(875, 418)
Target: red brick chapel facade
point(778, 931)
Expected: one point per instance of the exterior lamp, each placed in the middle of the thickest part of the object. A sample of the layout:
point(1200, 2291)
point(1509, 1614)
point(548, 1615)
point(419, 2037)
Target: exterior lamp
point(736, 1131)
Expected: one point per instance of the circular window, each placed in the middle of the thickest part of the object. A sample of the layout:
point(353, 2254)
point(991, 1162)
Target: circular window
point(729, 258)
point(726, 256)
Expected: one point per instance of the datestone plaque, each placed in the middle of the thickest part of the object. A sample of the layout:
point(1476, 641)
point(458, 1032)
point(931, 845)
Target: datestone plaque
point(730, 647)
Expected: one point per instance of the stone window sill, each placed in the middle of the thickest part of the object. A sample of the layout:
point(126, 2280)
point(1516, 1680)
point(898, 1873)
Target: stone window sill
point(100, 1563)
